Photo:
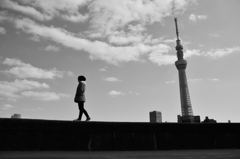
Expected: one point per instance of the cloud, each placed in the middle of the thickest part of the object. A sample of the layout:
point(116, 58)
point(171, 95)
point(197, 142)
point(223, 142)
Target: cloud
point(125, 22)
point(11, 89)
point(25, 70)
point(6, 107)
point(111, 79)
point(69, 73)
point(212, 53)
point(35, 38)
point(27, 10)
point(43, 96)
point(3, 16)
point(104, 69)
point(109, 16)
point(192, 52)
point(169, 41)
point(170, 82)
point(27, 88)
point(160, 55)
point(23, 87)
point(194, 80)
point(195, 18)
point(133, 93)
point(115, 93)
point(120, 27)
point(52, 48)
point(97, 49)
point(218, 53)
point(2, 30)
point(76, 18)
point(47, 10)
point(214, 79)
point(103, 15)
point(214, 35)
point(162, 59)
point(125, 39)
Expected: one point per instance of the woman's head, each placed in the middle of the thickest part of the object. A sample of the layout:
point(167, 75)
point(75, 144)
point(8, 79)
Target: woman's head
point(81, 78)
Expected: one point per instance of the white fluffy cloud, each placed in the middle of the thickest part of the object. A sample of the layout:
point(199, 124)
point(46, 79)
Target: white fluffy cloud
point(170, 82)
point(160, 55)
point(2, 30)
point(195, 18)
point(112, 79)
point(43, 96)
point(119, 26)
point(195, 80)
point(214, 35)
point(213, 53)
point(52, 48)
point(96, 49)
point(27, 88)
point(115, 93)
point(162, 59)
point(44, 10)
point(25, 70)
point(214, 79)
point(23, 87)
point(12, 89)
point(109, 16)
point(165, 58)
point(6, 106)
point(191, 52)
point(104, 69)
point(217, 53)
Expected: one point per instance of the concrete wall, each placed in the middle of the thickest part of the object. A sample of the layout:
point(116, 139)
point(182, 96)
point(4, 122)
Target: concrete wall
point(26, 134)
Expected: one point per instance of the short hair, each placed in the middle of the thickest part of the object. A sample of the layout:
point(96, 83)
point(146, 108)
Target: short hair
point(81, 78)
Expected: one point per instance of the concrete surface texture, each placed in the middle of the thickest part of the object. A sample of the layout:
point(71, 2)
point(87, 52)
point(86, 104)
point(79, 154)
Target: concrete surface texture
point(172, 154)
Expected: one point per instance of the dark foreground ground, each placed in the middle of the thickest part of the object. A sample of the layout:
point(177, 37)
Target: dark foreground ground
point(171, 154)
point(56, 135)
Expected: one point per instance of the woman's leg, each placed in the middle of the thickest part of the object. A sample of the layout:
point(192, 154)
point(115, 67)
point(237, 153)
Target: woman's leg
point(81, 108)
point(85, 113)
point(82, 111)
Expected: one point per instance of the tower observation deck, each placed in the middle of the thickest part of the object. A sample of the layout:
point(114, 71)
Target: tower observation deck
point(181, 64)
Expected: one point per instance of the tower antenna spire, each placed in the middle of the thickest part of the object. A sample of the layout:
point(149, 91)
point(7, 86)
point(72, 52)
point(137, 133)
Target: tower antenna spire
point(176, 25)
point(179, 47)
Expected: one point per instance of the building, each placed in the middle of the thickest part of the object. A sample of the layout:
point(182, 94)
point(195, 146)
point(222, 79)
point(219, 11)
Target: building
point(16, 116)
point(181, 64)
point(155, 117)
point(207, 120)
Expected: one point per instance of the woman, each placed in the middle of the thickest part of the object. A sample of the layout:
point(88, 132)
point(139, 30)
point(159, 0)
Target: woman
point(80, 98)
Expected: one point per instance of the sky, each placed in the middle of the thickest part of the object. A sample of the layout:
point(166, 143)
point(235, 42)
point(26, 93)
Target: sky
point(126, 50)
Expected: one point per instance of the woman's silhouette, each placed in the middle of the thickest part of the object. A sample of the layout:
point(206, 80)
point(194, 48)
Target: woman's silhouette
point(80, 97)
